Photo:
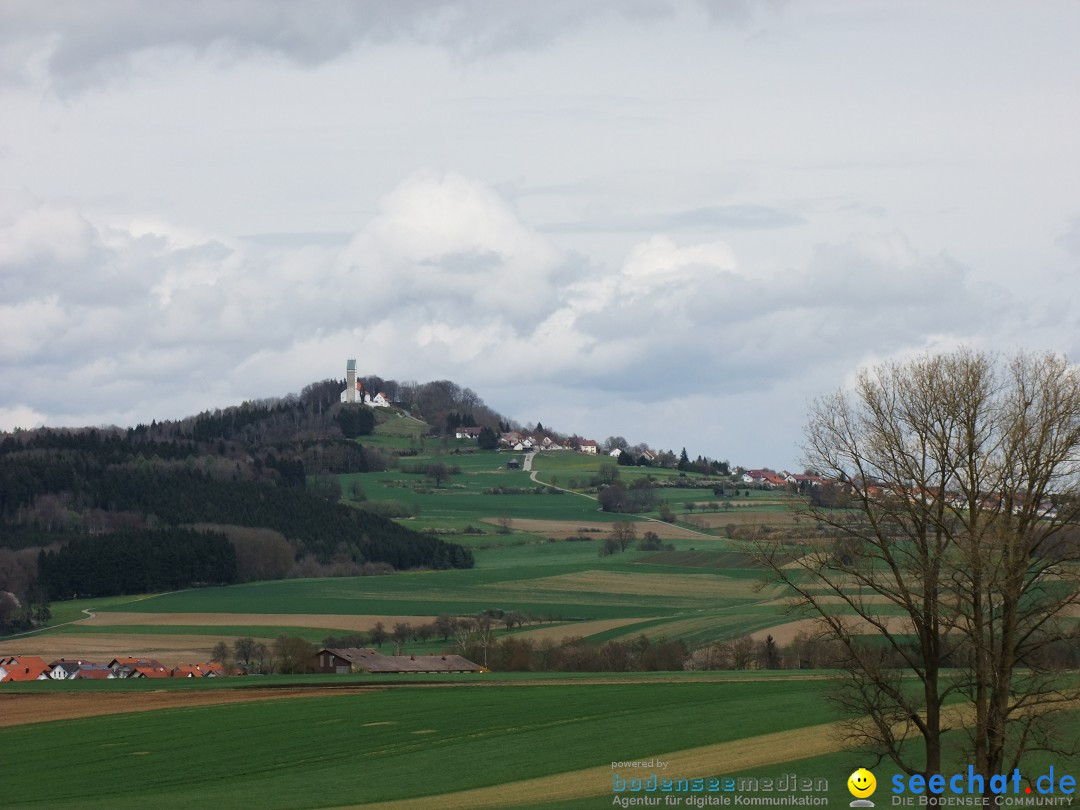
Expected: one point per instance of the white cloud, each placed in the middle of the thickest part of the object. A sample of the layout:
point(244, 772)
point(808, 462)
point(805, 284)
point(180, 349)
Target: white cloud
point(693, 218)
point(20, 416)
point(445, 281)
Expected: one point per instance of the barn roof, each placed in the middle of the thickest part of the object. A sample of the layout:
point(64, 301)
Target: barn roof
point(374, 661)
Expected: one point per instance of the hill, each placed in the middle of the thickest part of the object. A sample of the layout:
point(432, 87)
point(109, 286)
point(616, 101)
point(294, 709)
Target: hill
point(118, 496)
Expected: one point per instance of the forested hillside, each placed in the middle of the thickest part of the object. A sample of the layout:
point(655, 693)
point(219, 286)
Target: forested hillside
point(76, 505)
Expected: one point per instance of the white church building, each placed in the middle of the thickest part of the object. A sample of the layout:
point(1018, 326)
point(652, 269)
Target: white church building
point(354, 391)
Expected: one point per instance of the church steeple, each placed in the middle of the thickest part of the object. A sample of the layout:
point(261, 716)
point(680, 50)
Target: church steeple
point(350, 392)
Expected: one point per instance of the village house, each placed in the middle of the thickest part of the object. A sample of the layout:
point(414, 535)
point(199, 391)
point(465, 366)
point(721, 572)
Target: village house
point(23, 668)
point(64, 670)
point(150, 672)
point(125, 667)
point(763, 477)
point(803, 481)
point(91, 672)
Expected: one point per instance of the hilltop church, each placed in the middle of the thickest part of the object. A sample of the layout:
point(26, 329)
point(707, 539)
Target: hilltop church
point(354, 391)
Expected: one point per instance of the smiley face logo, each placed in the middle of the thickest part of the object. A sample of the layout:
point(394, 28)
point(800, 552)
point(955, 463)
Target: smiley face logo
point(861, 783)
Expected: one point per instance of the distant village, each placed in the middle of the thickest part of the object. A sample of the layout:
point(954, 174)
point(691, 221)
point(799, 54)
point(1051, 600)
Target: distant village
point(22, 668)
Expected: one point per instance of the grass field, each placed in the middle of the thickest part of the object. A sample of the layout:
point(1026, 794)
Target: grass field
point(524, 741)
point(377, 746)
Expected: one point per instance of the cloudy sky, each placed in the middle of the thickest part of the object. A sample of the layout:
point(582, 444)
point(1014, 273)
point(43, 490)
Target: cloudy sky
point(674, 221)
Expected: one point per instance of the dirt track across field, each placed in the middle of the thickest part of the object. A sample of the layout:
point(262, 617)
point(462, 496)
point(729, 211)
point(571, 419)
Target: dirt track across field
point(330, 620)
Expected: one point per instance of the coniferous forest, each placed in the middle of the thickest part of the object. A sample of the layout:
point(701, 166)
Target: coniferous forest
point(102, 511)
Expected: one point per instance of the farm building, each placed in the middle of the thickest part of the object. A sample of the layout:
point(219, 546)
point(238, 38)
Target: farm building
point(361, 659)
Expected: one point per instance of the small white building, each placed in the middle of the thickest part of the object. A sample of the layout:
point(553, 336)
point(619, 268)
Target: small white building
point(354, 391)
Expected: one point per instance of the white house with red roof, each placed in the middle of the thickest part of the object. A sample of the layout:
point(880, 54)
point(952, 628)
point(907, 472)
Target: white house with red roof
point(23, 668)
point(354, 392)
point(764, 477)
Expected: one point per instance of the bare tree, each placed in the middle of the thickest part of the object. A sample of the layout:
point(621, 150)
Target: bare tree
point(244, 648)
point(402, 633)
point(379, 634)
point(958, 476)
point(294, 655)
point(444, 625)
point(740, 652)
point(463, 630)
point(624, 533)
point(438, 473)
point(484, 634)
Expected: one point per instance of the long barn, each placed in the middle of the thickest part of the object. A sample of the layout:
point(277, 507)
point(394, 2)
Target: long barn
point(343, 660)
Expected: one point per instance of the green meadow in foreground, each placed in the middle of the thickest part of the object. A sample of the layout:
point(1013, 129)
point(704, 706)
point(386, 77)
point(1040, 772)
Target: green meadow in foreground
point(381, 745)
point(401, 743)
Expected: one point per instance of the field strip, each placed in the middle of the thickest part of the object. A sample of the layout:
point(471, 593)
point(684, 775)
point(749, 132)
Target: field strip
point(579, 628)
point(169, 649)
point(785, 633)
point(338, 621)
point(22, 708)
point(709, 760)
point(599, 529)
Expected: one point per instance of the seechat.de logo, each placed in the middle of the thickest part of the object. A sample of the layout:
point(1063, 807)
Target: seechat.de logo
point(862, 785)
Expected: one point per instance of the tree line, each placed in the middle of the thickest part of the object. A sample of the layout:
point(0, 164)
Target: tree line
point(136, 562)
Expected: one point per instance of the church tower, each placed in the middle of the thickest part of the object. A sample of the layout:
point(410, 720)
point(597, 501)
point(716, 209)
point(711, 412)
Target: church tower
point(349, 394)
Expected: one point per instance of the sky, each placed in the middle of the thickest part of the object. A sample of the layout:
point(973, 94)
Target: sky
point(675, 221)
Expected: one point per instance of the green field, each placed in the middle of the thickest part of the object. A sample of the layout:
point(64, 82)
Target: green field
point(391, 744)
point(406, 741)
point(589, 588)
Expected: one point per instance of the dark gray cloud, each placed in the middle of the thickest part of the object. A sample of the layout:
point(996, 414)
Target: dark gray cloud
point(90, 43)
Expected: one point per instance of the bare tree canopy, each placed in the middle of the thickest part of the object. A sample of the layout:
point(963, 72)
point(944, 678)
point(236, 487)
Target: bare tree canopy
point(949, 568)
